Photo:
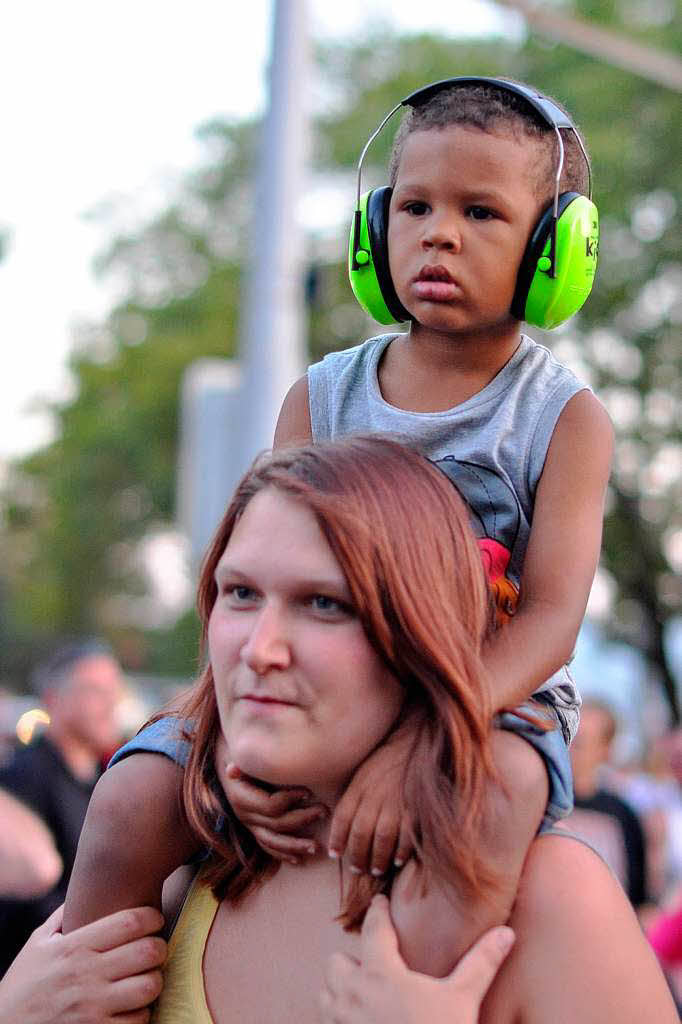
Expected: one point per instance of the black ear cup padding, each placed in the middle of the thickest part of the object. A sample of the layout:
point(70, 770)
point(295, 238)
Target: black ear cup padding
point(377, 227)
point(533, 252)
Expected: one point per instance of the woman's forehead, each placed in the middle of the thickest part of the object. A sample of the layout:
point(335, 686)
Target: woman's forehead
point(278, 532)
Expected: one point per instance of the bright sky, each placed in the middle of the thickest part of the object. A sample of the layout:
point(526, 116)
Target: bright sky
point(101, 100)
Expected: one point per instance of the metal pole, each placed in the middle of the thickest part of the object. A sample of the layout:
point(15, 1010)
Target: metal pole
point(272, 340)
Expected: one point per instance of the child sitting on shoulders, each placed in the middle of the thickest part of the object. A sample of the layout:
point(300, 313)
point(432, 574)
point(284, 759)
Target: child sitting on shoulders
point(463, 245)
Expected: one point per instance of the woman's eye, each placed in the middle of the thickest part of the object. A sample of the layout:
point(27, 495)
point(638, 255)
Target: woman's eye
point(326, 605)
point(239, 594)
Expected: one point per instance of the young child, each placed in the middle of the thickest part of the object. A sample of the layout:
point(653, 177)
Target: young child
point(457, 251)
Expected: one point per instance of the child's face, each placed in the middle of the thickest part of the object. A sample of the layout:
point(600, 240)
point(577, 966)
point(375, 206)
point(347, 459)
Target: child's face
point(461, 213)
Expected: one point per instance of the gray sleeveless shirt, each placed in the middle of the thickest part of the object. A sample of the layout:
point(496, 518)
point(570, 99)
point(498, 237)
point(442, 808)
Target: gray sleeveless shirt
point(493, 446)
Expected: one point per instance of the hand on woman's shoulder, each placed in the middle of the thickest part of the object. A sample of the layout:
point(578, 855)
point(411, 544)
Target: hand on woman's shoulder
point(580, 955)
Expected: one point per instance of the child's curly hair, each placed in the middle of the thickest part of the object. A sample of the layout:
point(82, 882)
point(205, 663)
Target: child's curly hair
point(493, 109)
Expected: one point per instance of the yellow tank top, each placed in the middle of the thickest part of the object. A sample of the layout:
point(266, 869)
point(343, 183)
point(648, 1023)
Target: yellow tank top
point(183, 1000)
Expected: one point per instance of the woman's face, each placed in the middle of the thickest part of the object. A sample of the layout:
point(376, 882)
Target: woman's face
point(302, 696)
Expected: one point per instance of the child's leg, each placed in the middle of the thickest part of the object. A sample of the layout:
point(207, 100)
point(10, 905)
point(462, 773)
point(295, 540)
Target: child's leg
point(436, 932)
point(135, 835)
point(514, 809)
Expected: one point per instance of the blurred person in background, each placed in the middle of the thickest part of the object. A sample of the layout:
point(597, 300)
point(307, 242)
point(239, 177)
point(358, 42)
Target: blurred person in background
point(81, 687)
point(601, 816)
point(30, 864)
point(656, 794)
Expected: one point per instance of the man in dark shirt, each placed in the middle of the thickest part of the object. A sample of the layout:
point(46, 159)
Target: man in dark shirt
point(602, 817)
point(81, 687)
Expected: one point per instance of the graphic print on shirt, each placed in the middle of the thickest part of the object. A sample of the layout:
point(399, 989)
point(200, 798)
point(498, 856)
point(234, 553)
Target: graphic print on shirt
point(495, 518)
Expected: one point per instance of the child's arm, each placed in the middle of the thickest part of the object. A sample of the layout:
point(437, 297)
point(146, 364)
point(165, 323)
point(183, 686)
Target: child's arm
point(562, 555)
point(293, 423)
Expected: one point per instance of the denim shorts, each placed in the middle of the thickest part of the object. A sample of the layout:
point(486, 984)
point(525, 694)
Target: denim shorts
point(552, 748)
point(164, 736)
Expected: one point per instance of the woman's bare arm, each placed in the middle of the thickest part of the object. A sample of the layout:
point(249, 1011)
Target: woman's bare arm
point(581, 956)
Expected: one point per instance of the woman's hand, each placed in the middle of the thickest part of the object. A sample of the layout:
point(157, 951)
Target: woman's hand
point(272, 816)
point(107, 971)
point(368, 826)
point(381, 988)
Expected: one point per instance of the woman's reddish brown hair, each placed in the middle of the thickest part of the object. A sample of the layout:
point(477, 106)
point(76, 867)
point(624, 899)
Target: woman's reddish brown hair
point(401, 535)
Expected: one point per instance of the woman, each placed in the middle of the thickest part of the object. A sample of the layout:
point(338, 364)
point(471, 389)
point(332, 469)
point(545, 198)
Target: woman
point(344, 589)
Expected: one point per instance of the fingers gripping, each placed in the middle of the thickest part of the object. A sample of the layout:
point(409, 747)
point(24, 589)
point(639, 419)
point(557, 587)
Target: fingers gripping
point(387, 833)
point(338, 996)
point(247, 798)
point(283, 847)
point(475, 972)
point(273, 817)
point(125, 926)
point(379, 942)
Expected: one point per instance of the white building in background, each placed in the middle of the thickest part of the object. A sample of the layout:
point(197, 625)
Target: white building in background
point(229, 410)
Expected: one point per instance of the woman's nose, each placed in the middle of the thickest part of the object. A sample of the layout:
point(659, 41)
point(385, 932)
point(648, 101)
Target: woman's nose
point(267, 645)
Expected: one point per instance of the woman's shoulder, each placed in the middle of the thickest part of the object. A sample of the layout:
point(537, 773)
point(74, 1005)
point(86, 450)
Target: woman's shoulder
point(580, 953)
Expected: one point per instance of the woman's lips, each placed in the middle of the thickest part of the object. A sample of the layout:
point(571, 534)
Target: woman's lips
point(268, 701)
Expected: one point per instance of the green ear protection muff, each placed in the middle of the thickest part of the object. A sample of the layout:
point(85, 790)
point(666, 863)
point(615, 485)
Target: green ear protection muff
point(558, 267)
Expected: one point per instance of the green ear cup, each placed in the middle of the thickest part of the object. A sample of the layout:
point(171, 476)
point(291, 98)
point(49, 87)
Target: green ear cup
point(368, 269)
point(550, 301)
point(363, 278)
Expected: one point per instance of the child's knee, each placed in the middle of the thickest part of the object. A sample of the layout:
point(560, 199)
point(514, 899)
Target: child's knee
point(522, 772)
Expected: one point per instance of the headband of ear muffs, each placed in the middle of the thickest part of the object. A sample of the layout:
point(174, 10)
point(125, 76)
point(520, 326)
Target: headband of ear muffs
point(557, 270)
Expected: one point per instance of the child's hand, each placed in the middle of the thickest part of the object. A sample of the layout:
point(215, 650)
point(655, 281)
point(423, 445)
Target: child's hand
point(368, 824)
point(272, 816)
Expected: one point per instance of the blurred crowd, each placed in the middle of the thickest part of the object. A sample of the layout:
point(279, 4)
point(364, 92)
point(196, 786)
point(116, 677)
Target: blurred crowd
point(631, 814)
point(81, 688)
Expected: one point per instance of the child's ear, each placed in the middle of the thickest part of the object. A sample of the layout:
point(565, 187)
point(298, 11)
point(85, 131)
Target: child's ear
point(368, 266)
point(547, 301)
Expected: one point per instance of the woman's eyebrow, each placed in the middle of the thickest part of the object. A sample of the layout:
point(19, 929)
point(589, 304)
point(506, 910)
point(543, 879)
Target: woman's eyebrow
point(332, 584)
point(227, 569)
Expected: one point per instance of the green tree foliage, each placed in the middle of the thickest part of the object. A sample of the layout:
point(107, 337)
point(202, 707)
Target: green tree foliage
point(76, 509)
